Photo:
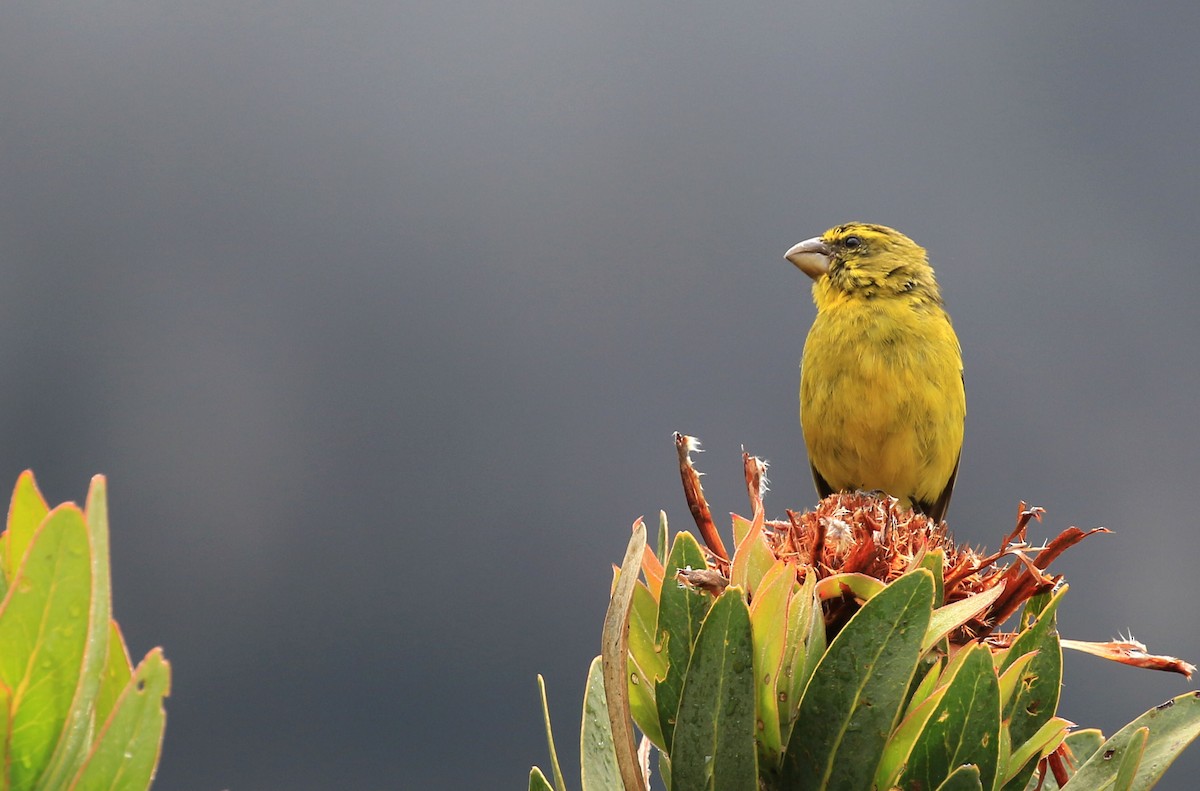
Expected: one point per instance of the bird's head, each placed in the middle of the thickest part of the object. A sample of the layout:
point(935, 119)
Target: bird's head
point(866, 259)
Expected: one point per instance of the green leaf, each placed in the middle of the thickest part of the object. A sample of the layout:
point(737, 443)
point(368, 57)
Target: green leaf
point(935, 561)
point(861, 586)
point(537, 781)
point(125, 753)
point(117, 672)
point(1010, 679)
point(713, 746)
point(680, 612)
point(815, 640)
point(1037, 605)
point(597, 756)
point(44, 630)
point(26, 511)
point(5, 736)
point(928, 683)
point(554, 767)
point(1131, 760)
point(643, 623)
point(964, 727)
point(1024, 777)
point(1036, 697)
point(924, 702)
point(802, 650)
point(614, 656)
point(856, 693)
point(73, 745)
point(964, 778)
point(741, 528)
point(1082, 745)
point(768, 623)
point(752, 559)
point(947, 619)
point(649, 664)
point(1172, 726)
point(661, 546)
point(899, 745)
point(1024, 758)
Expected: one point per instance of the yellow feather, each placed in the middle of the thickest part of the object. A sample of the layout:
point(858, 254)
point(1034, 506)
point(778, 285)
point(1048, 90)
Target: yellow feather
point(882, 402)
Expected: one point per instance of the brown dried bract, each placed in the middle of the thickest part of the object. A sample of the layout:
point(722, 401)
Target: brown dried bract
point(869, 534)
point(708, 580)
point(856, 532)
point(694, 493)
point(1131, 652)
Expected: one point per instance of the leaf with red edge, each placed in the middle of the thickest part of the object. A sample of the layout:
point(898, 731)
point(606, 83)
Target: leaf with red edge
point(5, 737)
point(73, 745)
point(752, 558)
point(648, 665)
point(127, 747)
point(1170, 727)
point(680, 612)
point(44, 631)
point(26, 511)
point(861, 586)
point(768, 625)
point(653, 571)
point(117, 672)
point(803, 648)
point(948, 618)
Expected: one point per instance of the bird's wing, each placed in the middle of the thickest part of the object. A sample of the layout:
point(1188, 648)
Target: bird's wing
point(823, 487)
point(937, 509)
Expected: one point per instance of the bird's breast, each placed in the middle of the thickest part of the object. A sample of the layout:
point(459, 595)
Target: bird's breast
point(881, 395)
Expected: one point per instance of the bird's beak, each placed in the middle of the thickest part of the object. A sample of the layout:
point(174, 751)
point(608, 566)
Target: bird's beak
point(811, 257)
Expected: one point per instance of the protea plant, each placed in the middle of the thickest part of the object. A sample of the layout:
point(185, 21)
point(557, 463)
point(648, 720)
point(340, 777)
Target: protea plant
point(855, 646)
point(75, 713)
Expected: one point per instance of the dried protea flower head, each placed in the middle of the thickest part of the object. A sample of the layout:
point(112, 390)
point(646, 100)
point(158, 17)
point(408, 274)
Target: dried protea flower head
point(852, 535)
point(855, 533)
point(862, 533)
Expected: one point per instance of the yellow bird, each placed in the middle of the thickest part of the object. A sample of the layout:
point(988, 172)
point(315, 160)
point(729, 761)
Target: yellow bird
point(882, 402)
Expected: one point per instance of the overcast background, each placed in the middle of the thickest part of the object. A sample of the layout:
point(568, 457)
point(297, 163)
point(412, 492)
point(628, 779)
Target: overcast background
point(379, 317)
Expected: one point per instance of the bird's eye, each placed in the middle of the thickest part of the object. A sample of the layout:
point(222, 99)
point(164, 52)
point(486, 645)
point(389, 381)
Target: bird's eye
point(851, 242)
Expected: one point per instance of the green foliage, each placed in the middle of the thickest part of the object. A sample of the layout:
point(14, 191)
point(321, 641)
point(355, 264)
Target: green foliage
point(746, 690)
point(1036, 696)
point(714, 729)
point(599, 768)
point(963, 727)
point(1143, 749)
point(855, 695)
point(680, 613)
point(74, 713)
point(538, 781)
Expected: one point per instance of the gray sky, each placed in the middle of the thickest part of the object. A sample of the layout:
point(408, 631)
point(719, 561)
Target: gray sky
point(379, 317)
